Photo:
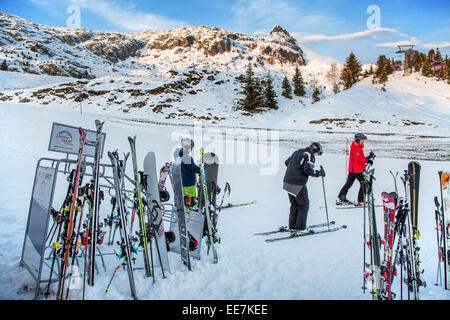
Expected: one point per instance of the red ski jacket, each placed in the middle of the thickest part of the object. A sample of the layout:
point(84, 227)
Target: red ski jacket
point(357, 159)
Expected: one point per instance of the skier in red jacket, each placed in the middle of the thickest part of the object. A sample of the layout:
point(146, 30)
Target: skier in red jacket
point(356, 165)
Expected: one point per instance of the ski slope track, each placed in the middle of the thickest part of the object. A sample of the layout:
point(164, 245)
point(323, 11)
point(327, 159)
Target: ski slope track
point(325, 266)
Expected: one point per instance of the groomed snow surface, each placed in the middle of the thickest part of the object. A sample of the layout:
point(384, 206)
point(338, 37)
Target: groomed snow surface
point(325, 266)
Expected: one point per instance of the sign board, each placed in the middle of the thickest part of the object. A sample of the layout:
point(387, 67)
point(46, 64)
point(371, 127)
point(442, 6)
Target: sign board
point(66, 139)
point(38, 217)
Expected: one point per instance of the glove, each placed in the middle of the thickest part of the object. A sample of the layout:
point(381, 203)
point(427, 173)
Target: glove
point(321, 172)
point(371, 155)
point(369, 162)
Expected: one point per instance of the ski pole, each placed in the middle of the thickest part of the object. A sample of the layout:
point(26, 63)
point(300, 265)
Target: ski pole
point(346, 158)
point(364, 239)
point(114, 273)
point(226, 191)
point(325, 199)
point(395, 180)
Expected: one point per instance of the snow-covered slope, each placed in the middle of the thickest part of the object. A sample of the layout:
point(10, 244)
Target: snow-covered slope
point(414, 109)
point(326, 266)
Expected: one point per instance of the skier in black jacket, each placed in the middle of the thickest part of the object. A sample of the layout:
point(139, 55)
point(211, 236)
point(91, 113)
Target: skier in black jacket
point(300, 166)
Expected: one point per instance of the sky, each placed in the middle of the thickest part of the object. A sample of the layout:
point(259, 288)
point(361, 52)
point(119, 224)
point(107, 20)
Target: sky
point(332, 28)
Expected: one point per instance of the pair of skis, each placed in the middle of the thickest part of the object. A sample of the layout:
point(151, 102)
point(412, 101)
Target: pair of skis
point(211, 238)
point(68, 219)
point(442, 214)
point(372, 270)
point(205, 206)
point(125, 243)
point(296, 234)
point(70, 237)
point(400, 220)
point(145, 184)
point(352, 205)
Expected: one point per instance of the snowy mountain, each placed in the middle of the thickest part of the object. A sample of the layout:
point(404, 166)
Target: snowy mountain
point(192, 74)
point(79, 53)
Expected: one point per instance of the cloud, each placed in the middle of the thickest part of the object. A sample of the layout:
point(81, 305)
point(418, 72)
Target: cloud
point(125, 18)
point(368, 34)
point(247, 16)
point(413, 41)
point(444, 44)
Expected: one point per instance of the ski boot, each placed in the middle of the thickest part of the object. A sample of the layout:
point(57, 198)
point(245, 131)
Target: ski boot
point(343, 201)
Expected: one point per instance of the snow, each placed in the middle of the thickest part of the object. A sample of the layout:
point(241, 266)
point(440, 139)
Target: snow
point(413, 108)
point(326, 266)
point(406, 119)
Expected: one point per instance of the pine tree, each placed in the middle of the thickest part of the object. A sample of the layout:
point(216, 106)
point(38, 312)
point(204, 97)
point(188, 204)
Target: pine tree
point(417, 61)
point(270, 100)
point(350, 73)
point(253, 98)
point(316, 95)
point(299, 85)
point(4, 66)
point(384, 69)
point(427, 68)
point(287, 89)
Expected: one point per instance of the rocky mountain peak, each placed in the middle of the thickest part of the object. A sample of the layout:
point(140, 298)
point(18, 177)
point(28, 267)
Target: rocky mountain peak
point(279, 29)
point(34, 48)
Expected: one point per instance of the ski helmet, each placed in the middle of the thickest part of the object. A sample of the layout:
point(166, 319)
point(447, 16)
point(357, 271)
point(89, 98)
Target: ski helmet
point(316, 147)
point(187, 143)
point(360, 136)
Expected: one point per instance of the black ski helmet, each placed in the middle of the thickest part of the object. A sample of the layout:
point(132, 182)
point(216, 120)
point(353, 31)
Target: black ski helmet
point(316, 147)
point(360, 136)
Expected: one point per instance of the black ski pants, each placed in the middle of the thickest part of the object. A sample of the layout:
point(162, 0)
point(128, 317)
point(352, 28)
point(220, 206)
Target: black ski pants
point(299, 209)
point(348, 184)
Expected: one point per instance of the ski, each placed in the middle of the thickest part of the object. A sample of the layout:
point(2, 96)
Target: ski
point(164, 195)
point(95, 201)
point(211, 232)
point(304, 234)
point(70, 223)
point(445, 203)
point(155, 211)
point(175, 174)
point(389, 207)
point(352, 206)
point(286, 229)
point(414, 180)
point(211, 165)
point(439, 238)
point(125, 245)
point(140, 208)
point(234, 205)
point(372, 239)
